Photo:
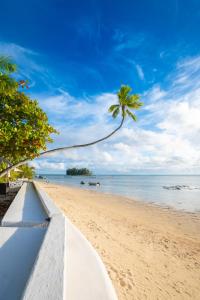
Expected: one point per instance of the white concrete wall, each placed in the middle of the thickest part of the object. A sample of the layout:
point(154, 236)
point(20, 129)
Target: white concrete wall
point(63, 265)
point(47, 279)
point(50, 208)
point(86, 276)
point(26, 209)
point(18, 251)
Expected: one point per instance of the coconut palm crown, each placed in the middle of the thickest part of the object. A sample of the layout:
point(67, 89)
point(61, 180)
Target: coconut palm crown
point(126, 103)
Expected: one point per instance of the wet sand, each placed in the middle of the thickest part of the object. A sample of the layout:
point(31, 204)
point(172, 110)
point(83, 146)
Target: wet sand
point(149, 252)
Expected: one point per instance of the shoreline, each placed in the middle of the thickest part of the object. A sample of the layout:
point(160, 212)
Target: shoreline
point(130, 199)
point(149, 251)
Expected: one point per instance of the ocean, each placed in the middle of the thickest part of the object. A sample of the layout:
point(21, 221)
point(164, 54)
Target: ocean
point(179, 192)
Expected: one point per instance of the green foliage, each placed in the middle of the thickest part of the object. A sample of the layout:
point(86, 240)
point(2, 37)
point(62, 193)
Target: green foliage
point(24, 171)
point(8, 85)
point(78, 172)
point(6, 65)
point(126, 101)
point(24, 127)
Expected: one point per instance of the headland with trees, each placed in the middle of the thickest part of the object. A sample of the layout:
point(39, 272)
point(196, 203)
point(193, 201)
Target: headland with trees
point(78, 172)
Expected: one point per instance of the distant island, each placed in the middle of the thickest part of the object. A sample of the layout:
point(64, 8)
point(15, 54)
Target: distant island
point(78, 172)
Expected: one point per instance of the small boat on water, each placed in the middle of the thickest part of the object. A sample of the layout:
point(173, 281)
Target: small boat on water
point(82, 182)
point(94, 183)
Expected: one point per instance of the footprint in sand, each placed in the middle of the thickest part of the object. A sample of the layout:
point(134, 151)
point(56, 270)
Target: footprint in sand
point(122, 282)
point(129, 287)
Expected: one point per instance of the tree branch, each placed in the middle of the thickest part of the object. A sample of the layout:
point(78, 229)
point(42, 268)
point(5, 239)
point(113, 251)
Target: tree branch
point(4, 172)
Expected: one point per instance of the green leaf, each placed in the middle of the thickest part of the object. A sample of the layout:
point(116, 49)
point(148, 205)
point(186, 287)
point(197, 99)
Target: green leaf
point(115, 112)
point(6, 65)
point(131, 115)
point(24, 127)
point(135, 105)
point(113, 107)
point(133, 98)
point(123, 94)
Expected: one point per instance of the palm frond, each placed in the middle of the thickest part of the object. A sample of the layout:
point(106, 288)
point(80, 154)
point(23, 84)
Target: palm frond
point(133, 98)
point(123, 93)
point(131, 115)
point(112, 107)
point(115, 112)
point(125, 89)
point(135, 105)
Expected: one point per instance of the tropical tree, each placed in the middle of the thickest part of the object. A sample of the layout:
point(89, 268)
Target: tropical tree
point(126, 103)
point(78, 172)
point(24, 127)
point(26, 171)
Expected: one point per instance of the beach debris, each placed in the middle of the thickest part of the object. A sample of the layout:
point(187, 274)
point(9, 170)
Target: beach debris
point(181, 187)
point(94, 183)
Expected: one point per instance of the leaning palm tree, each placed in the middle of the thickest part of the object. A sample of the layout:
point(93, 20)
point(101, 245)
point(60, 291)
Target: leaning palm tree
point(126, 103)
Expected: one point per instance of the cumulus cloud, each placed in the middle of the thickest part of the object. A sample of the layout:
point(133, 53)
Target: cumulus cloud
point(167, 141)
point(67, 110)
point(48, 166)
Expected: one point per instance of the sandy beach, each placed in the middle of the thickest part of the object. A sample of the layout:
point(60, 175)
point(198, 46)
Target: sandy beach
point(149, 252)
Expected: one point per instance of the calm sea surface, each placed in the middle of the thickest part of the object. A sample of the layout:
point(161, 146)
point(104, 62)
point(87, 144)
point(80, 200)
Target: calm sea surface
point(143, 188)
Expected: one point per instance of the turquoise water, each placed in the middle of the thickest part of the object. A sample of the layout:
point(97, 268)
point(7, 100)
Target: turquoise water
point(144, 188)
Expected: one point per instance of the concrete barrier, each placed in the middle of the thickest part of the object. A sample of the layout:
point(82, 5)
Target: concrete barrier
point(19, 248)
point(47, 281)
point(63, 265)
point(50, 208)
point(86, 275)
point(26, 209)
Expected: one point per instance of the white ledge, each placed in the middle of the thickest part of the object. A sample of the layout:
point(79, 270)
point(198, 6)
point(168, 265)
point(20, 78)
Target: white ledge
point(46, 201)
point(26, 209)
point(18, 250)
point(86, 275)
point(52, 263)
point(47, 279)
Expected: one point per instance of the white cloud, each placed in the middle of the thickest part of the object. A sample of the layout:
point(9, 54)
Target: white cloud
point(67, 109)
point(140, 71)
point(155, 93)
point(167, 136)
point(168, 139)
point(22, 56)
point(45, 165)
point(57, 104)
point(138, 67)
point(27, 62)
point(127, 41)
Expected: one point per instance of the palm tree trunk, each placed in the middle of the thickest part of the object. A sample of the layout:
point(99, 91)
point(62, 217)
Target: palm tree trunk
point(4, 172)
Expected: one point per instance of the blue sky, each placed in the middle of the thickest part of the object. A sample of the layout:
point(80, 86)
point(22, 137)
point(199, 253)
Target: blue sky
point(76, 54)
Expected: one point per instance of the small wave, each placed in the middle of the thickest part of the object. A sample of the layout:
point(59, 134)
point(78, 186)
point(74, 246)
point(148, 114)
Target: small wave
point(181, 187)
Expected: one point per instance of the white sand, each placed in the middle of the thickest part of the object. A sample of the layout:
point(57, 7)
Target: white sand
point(149, 252)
